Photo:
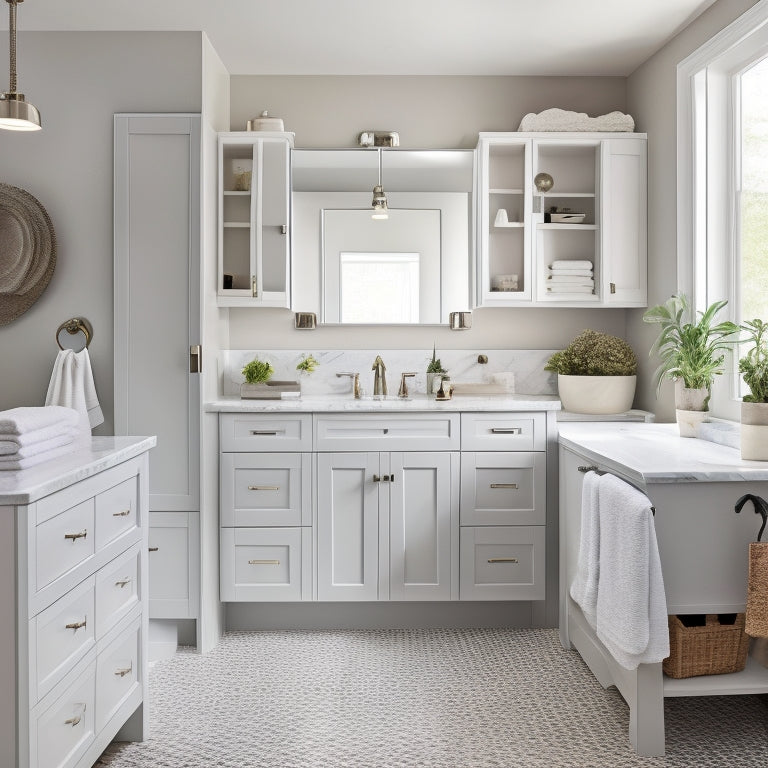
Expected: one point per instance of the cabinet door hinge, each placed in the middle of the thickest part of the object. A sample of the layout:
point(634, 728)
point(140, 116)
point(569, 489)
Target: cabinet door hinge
point(254, 287)
point(613, 287)
point(196, 359)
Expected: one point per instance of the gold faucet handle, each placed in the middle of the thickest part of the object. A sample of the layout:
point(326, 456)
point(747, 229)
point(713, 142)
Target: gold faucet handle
point(355, 383)
point(403, 392)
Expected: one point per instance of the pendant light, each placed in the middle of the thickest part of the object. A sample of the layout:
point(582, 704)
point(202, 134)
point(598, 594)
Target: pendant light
point(16, 114)
point(379, 202)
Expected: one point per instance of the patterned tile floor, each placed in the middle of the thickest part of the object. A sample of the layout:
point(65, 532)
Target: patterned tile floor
point(475, 698)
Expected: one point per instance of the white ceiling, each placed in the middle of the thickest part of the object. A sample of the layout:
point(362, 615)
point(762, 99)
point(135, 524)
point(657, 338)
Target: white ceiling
point(395, 37)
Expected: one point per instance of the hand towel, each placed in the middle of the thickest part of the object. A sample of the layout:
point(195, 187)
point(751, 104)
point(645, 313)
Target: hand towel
point(11, 449)
point(8, 464)
point(19, 423)
point(72, 385)
point(584, 586)
point(631, 604)
point(571, 264)
point(560, 288)
point(570, 279)
point(574, 272)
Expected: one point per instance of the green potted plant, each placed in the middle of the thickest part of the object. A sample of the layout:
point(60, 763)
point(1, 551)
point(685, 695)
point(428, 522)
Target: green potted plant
point(753, 367)
point(691, 346)
point(435, 372)
point(307, 364)
point(257, 373)
point(596, 373)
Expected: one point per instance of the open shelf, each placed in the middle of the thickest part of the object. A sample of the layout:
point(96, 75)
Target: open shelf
point(548, 225)
point(505, 191)
point(509, 224)
point(752, 679)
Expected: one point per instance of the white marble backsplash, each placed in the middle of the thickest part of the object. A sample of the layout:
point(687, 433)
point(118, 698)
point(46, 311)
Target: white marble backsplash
point(462, 365)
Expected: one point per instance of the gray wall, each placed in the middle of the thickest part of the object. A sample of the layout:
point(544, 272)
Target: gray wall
point(652, 99)
point(78, 80)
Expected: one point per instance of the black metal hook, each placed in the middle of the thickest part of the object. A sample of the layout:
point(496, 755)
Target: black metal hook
point(761, 508)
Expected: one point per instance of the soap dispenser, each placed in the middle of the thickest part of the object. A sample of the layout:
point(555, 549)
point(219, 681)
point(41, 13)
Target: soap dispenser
point(445, 392)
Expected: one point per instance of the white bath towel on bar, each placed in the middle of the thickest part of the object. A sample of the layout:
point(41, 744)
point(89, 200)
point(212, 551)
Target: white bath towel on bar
point(13, 464)
point(562, 288)
point(571, 264)
point(11, 449)
point(584, 586)
point(631, 604)
point(35, 422)
point(72, 385)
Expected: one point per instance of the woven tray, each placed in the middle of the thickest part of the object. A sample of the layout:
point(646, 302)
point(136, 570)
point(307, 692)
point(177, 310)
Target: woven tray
point(713, 648)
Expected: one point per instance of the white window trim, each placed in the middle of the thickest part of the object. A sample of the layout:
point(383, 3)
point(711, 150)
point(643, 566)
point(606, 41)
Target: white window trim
point(698, 232)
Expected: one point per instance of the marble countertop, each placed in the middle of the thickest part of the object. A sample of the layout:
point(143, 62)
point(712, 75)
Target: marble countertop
point(418, 402)
point(655, 453)
point(28, 485)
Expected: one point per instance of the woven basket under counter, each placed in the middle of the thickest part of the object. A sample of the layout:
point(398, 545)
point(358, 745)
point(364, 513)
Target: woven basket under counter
point(711, 649)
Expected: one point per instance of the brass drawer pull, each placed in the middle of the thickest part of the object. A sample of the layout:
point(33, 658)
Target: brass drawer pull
point(77, 625)
point(73, 721)
point(122, 583)
point(263, 562)
point(493, 560)
point(513, 486)
point(153, 549)
point(263, 487)
point(124, 671)
point(75, 536)
point(124, 513)
point(264, 432)
point(507, 430)
point(383, 478)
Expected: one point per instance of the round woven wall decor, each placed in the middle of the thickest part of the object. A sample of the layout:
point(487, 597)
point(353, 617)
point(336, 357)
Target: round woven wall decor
point(27, 251)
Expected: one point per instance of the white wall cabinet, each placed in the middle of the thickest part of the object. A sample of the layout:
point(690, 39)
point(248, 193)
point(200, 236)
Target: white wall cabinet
point(254, 218)
point(599, 189)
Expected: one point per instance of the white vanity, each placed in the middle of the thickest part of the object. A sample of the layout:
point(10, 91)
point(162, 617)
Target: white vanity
point(73, 595)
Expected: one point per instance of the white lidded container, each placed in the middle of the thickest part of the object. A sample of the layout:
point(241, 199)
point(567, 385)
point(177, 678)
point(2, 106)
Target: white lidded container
point(265, 123)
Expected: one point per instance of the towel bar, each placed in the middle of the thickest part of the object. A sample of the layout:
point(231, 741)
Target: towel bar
point(598, 471)
point(76, 325)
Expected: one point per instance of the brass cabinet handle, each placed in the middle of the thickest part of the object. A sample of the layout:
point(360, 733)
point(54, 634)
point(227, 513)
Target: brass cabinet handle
point(124, 671)
point(383, 478)
point(493, 560)
point(153, 549)
point(73, 721)
point(75, 536)
point(124, 513)
point(195, 359)
point(263, 562)
point(263, 487)
point(613, 287)
point(507, 430)
point(263, 432)
point(122, 583)
point(76, 625)
point(254, 287)
point(513, 486)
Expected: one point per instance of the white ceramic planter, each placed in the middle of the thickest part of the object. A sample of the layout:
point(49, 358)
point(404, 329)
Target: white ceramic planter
point(754, 431)
point(688, 421)
point(687, 399)
point(596, 394)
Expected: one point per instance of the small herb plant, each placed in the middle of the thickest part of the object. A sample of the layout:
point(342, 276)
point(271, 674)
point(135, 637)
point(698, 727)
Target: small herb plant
point(753, 366)
point(434, 365)
point(593, 353)
point(307, 364)
point(257, 371)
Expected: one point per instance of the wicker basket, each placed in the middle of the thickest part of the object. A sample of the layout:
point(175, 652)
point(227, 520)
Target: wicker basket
point(712, 648)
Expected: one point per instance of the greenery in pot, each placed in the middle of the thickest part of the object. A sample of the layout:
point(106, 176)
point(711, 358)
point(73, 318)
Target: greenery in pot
point(434, 365)
point(257, 371)
point(753, 366)
point(593, 353)
point(307, 364)
point(691, 345)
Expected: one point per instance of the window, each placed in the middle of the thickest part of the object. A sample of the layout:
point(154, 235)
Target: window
point(722, 197)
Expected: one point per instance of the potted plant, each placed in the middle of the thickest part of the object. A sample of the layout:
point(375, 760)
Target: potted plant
point(753, 366)
point(435, 372)
point(691, 346)
point(596, 373)
point(307, 364)
point(256, 374)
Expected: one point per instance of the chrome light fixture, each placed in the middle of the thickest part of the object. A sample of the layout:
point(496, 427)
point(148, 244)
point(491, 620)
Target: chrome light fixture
point(379, 202)
point(16, 114)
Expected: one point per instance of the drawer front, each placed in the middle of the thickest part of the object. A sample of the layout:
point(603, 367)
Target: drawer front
point(391, 432)
point(64, 541)
point(62, 733)
point(117, 589)
point(265, 564)
point(117, 673)
point(503, 488)
point(503, 431)
point(243, 432)
point(502, 563)
point(116, 511)
point(266, 489)
point(61, 635)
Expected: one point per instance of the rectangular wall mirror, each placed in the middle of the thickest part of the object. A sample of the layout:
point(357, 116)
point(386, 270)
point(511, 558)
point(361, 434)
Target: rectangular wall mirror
point(412, 268)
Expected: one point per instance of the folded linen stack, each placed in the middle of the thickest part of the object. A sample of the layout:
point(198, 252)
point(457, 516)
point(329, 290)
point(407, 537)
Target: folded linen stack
point(32, 435)
point(570, 276)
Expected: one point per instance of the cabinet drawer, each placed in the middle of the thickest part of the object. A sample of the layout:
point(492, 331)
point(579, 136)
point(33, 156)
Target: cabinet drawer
point(503, 488)
point(116, 511)
point(503, 431)
point(64, 541)
point(265, 489)
point(61, 733)
point(391, 432)
point(265, 432)
point(61, 635)
point(265, 564)
point(502, 563)
point(117, 589)
point(117, 673)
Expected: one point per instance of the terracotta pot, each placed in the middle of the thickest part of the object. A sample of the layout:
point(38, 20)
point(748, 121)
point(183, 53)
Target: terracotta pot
point(596, 394)
point(754, 431)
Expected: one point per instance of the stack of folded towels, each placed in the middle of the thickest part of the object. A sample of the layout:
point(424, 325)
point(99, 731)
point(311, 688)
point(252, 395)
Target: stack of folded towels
point(32, 435)
point(570, 276)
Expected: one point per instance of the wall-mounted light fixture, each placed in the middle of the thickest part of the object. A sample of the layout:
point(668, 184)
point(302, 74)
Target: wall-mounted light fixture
point(379, 202)
point(16, 114)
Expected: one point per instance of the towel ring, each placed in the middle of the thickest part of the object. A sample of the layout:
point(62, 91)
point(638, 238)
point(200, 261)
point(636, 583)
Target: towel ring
point(73, 326)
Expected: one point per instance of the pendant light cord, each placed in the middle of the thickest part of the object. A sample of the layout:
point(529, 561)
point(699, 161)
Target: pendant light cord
point(12, 43)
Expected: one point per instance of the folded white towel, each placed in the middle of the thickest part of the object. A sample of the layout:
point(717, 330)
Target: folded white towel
point(560, 288)
point(72, 385)
point(10, 449)
point(571, 264)
point(570, 272)
point(584, 586)
point(27, 420)
point(13, 464)
point(570, 280)
point(12, 443)
point(631, 604)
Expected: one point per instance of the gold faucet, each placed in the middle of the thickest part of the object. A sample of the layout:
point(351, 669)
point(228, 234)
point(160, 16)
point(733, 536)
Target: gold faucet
point(355, 383)
point(379, 377)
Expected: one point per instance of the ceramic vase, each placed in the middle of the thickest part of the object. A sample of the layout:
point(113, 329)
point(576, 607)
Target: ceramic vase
point(754, 431)
point(596, 394)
